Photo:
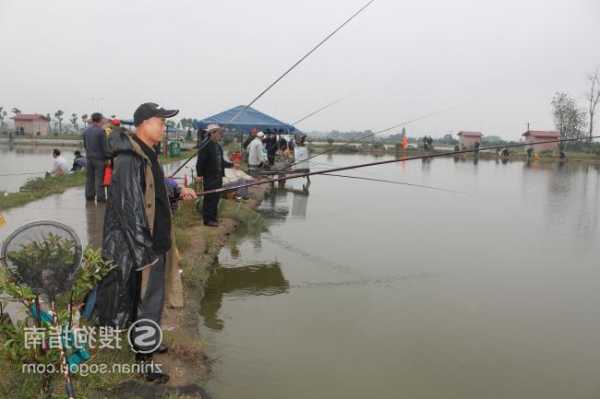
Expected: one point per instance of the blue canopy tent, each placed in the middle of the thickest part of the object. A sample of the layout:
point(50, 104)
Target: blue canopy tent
point(245, 121)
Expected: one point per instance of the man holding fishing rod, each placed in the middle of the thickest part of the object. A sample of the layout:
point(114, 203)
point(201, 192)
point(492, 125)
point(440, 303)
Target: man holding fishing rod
point(138, 237)
point(210, 169)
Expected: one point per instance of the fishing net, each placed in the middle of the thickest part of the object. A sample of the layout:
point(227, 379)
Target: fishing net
point(44, 256)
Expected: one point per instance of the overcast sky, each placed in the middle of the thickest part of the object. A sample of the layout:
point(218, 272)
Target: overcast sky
point(497, 63)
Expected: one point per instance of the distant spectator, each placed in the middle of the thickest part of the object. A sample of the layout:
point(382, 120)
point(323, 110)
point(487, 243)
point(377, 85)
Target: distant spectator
point(79, 162)
point(271, 146)
point(301, 153)
point(282, 143)
point(251, 137)
point(60, 166)
point(256, 153)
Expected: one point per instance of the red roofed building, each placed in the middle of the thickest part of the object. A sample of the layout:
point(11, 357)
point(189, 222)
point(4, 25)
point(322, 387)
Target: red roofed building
point(31, 124)
point(534, 136)
point(467, 140)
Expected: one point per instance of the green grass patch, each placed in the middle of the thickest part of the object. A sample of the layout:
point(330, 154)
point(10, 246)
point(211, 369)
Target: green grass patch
point(40, 187)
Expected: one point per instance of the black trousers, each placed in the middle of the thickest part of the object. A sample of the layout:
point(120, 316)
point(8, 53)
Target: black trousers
point(94, 180)
point(149, 300)
point(210, 205)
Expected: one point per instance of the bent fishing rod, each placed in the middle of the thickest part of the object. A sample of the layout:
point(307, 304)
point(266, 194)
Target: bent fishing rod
point(290, 69)
point(364, 165)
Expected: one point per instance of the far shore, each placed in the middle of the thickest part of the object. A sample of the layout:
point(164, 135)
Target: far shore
point(63, 142)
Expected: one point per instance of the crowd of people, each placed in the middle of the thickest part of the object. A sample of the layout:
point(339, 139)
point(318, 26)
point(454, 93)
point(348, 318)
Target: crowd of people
point(263, 148)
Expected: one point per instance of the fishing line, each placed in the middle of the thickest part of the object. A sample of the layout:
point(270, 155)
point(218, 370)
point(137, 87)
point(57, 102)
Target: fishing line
point(290, 69)
point(393, 182)
point(323, 108)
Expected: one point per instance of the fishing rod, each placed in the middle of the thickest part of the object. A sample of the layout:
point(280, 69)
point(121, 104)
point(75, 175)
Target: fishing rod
point(364, 165)
point(402, 124)
point(305, 56)
point(290, 69)
point(392, 182)
point(323, 108)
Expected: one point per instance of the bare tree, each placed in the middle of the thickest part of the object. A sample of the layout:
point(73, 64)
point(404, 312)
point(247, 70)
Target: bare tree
point(75, 121)
point(16, 111)
point(568, 117)
point(59, 117)
point(84, 119)
point(49, 119)
point(2, 116)
point(593, 97)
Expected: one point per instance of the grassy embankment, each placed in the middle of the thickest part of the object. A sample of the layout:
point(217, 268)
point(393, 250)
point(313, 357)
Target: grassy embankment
point(38, 188)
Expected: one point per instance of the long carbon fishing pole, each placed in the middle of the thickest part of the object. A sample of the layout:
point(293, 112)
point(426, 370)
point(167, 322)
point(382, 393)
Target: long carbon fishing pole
point(323, 108)
point(369, 135)
point(290, 69)
point(364, 165)
point(305, 56)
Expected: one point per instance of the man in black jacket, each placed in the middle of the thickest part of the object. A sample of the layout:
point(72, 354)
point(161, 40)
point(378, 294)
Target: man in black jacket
point(210, 169)
point(138, 237)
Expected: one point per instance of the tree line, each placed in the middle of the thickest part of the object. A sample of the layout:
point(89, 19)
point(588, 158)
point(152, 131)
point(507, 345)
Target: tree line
point(573, 120)
point(76, 123)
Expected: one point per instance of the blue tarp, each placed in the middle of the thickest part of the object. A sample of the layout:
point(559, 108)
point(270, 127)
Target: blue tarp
point(248, 119)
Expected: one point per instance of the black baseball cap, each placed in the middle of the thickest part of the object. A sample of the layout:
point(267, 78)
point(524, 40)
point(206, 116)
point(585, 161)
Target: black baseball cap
point(150, 110)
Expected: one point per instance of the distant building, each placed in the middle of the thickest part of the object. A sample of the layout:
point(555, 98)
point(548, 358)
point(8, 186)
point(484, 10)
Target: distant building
point(533, 136)
point(467, 140)
point(31, 124)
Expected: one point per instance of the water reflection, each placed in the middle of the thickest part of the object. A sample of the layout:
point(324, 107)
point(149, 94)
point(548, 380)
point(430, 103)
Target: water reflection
point(426, 165)
point(254, 280)
point(276, 208)
point(571, 196)
point(94, 214)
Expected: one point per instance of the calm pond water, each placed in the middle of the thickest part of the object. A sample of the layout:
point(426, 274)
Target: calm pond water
point(399, 291)
point(405, 292)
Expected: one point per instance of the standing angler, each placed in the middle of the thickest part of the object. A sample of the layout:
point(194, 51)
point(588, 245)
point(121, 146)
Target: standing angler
point(96, 152)
point(138, 237)
point(210, 168)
